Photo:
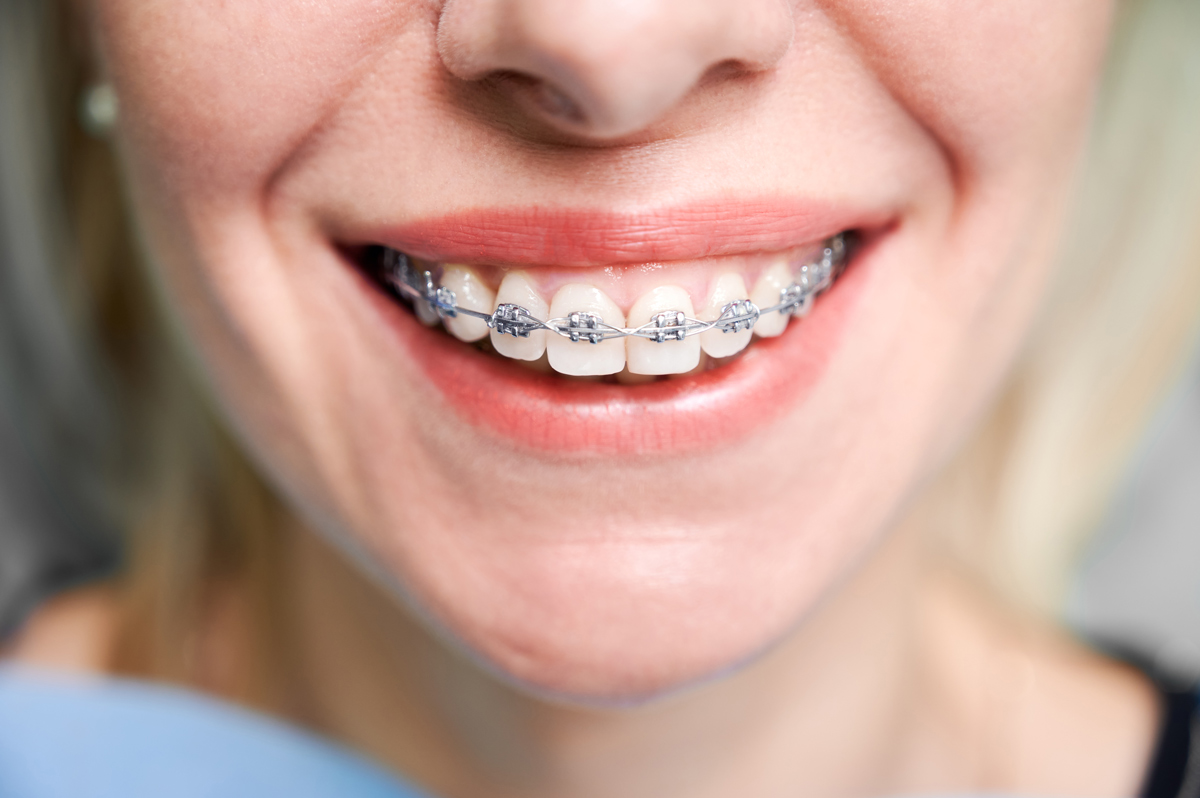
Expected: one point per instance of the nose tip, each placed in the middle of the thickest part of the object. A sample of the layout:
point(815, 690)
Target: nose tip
point(609, 68)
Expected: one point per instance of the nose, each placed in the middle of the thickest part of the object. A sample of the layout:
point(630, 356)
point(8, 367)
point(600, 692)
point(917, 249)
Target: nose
point(609, 68)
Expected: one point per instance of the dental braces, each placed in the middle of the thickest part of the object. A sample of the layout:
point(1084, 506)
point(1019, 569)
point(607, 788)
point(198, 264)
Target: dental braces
point(812, 279)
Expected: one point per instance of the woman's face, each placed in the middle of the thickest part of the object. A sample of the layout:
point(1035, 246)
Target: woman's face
point(609, 537)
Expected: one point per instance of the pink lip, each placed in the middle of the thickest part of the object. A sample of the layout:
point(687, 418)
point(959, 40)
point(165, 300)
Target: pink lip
point(581, 237)
point(548, 413)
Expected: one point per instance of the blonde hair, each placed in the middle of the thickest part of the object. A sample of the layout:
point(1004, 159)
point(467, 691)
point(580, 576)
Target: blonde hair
point(198, 526)
point(1121, 317)
point(1016, 503)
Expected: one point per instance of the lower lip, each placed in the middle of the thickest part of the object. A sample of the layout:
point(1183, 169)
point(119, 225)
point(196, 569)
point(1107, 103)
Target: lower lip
point(547, 413)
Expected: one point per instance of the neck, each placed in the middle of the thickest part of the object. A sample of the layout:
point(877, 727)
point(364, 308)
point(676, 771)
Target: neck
point(838, 692)
point(902, 682)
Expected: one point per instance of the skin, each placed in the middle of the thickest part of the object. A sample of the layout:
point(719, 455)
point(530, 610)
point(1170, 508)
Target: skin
point(810, 642)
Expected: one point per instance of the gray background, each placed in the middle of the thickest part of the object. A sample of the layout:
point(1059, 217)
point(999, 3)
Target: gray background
point(1139, 581)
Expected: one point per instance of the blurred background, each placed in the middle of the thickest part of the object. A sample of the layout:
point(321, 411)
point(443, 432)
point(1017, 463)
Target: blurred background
point(1138, 582)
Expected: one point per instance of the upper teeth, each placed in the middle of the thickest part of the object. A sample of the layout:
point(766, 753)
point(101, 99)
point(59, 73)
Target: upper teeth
point(666, 348)
point(665, 335)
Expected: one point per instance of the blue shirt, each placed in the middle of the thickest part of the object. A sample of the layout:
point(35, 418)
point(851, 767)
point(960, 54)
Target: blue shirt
point(93, 737)
point(96, 737)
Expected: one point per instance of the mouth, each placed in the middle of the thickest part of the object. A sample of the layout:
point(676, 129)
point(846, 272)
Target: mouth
point(617, 358)
point(581, 331)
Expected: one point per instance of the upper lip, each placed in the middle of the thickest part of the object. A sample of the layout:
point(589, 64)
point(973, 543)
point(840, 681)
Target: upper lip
point(527, 236)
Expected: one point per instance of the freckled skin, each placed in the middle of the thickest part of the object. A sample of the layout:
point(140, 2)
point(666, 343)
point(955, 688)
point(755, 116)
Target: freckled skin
point(255, 133)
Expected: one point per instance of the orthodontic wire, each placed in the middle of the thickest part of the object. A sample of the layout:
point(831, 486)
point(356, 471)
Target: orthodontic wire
point(509, 319)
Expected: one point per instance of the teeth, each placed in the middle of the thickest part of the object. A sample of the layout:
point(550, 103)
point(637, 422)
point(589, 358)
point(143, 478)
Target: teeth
point(425, 313)
point(627, 377)
point(766, 294)
point(668, 357)
point(518, 289)
point(700, 367)
point(725, 289)
point(584, 333)
point(470, 293)
point(582, 358)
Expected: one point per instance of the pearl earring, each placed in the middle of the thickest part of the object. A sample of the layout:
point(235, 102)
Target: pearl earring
point(98, 109)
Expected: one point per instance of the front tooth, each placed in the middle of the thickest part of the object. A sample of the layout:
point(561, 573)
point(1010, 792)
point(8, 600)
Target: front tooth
point(767, 293)
point(669, 357)
point(516, 288)
point(582, 358)
point(725, 289)
point(470, 293)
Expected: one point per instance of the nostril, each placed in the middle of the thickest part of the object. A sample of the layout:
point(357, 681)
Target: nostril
point(606, 70)
point(541, 95)
point(557, 104)
point(729, 68)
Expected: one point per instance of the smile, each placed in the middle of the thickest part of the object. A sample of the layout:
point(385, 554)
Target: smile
point(581, 331)
point(588, 333)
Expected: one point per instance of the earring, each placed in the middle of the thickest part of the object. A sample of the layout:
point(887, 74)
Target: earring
point(98, 110)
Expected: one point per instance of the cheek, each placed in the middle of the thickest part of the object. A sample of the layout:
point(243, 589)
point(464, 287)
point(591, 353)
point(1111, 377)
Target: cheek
point(215, 99)
point(216, 95)
point(990, 80)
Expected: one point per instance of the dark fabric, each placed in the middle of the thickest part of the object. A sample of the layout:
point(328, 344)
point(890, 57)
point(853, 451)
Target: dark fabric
point(48, 542)
point(1175, 767)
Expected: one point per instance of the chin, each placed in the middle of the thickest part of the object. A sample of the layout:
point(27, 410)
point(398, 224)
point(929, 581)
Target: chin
point(582, 529)
point(624, 623)
point(499, 536)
